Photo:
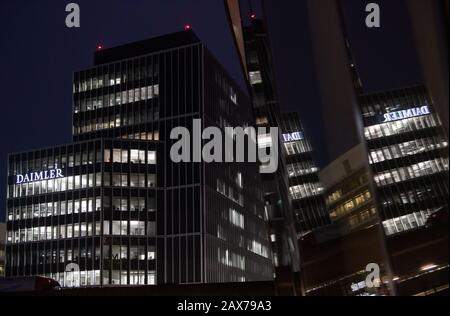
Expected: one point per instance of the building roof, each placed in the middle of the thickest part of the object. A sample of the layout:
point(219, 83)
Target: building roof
point(145, 47)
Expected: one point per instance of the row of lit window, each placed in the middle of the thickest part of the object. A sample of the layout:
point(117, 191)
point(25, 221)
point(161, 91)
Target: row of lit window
point(302, 191)
point(79, 206)
point(56, 208)
point(401, 126)
point(410, 172)
point(347, 207)
point(301, 168)
point(409, 197)
point(362, 217)
point(92, 278)
point(252, 245)
point(258, 248)
point(113, 99)
point(407, 222)
point(406, 149)
point(80, 254)
point(115, 79)
point(347, 186)
point(84, 181)
point(297, 147)
point(133, 156)
point(76, 230)
point(230, 259)
point(114, 121)
point(141, 136)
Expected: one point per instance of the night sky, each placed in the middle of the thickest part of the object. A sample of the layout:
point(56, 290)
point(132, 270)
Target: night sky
point(39, 54)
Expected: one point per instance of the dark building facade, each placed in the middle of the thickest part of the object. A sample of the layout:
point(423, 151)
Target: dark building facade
point(208, 225)
point(262, 84)
point(304, 185)
point(253, 47)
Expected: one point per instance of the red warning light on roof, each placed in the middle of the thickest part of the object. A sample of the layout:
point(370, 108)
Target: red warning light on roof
point(253, 16)
point(187, 27)
point(99, 47)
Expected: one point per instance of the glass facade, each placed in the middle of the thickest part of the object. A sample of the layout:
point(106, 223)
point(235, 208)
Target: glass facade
point(304, 186)
point(261, 78)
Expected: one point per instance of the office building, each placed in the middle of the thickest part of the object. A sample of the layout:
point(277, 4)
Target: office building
point(137, 217)
point(408, 153)
point(304, 185)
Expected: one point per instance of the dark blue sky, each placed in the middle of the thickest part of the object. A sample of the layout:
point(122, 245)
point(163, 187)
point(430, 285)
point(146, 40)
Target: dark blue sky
point(39, 55)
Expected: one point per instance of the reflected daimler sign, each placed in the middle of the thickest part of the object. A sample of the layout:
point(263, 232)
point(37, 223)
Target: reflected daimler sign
point(39, 176)
point(400, 115)
point(292, 137)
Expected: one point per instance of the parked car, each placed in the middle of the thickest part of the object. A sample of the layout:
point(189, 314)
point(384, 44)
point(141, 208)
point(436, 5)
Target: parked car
point(27, 284)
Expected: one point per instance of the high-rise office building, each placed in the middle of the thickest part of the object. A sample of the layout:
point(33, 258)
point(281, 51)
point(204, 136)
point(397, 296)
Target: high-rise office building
point(115, 204)
point(304, 185)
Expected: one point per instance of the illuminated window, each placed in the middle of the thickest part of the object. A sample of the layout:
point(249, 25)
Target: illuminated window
point(255, 77)
point(236, 218)
point(262, 120)
point(137, 156)
point(399, 127)
point(264, 141)
point(151, 157)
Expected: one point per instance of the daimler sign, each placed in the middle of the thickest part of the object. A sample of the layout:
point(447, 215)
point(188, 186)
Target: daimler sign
point(39, 176)
point(400, 115)
point(292, 137)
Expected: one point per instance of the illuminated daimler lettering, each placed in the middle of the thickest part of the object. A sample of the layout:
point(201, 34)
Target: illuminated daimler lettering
point(400, 115)
point(39, 176)
point(292, 137)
